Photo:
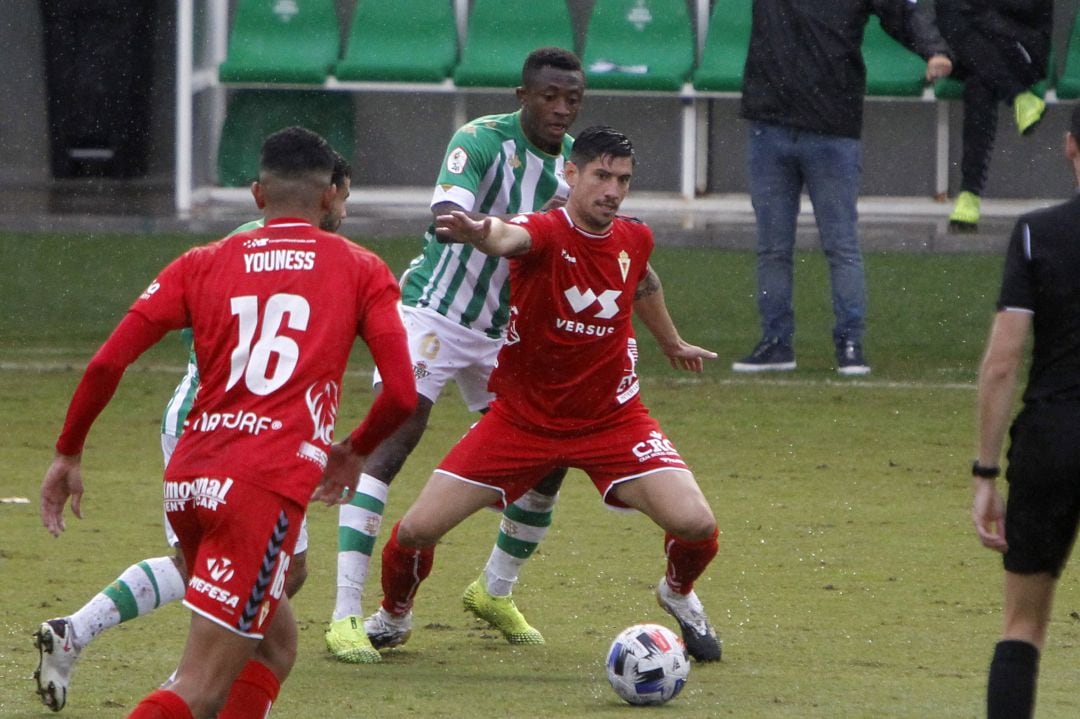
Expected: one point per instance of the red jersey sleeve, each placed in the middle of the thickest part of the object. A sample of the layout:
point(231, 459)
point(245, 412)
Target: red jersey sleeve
point(385, 337)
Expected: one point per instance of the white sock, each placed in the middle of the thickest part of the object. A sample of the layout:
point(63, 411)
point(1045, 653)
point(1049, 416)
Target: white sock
point(358, 527)
point(142, 588)
point(523, 526)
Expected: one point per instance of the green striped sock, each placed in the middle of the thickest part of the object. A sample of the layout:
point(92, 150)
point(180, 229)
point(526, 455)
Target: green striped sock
point(524, 525)
point(358, 527)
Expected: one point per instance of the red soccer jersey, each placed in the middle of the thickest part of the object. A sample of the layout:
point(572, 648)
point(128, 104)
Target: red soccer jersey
point(275, 312)
point(570, 354)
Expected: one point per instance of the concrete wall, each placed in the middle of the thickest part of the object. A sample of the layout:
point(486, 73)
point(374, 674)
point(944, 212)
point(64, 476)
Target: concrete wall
point(898, 147)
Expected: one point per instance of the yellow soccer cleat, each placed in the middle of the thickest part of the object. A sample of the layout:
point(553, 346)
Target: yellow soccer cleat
point(501, 613)
point(348, 642)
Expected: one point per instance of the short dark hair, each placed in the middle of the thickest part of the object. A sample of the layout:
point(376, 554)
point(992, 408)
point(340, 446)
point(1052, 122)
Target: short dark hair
point(342, 170)
point(598, 141)
point(548, 57)
point(295, 152)
point(1074, 123)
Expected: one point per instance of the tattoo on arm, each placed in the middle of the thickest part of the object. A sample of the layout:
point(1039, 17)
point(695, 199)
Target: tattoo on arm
point(649, 285)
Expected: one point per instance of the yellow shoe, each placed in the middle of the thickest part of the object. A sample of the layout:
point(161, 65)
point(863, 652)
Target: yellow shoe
point(1028, 108)
point(965, 214)
point(348, 642)
point(501, 613)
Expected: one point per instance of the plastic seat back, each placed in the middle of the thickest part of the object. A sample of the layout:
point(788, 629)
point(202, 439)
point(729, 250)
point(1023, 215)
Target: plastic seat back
point(283, 41)
point(639, 45)
point(726, 45)
point(891, 69)
point(400, 41)
point(501, 35)
point(254, 114)
point(1068, 85)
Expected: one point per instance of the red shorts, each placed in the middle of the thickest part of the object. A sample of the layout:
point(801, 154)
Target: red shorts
point(238, 540)
point(506, 456)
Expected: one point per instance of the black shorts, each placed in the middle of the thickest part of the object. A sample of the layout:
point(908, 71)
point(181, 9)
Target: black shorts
point(1044, 488)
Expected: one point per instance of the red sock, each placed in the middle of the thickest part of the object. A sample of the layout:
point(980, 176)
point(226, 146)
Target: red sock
point(162, 704)
point(402, 571)
point(252, 693)
point(687, 560)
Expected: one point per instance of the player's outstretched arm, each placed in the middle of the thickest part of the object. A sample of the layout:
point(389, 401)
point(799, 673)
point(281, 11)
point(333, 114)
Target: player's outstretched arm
point(62, 481)
point(652, 310)
point(491, 235)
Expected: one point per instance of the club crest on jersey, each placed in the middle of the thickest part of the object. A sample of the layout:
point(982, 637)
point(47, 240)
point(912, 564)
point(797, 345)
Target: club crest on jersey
point(624, 264)
point(457, 160)
point(322, 404)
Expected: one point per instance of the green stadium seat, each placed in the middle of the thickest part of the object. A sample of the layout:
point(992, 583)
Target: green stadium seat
point(275, 41)
point(501, 35)
point(1068, 84)
point(254, 114)
point(726, 45)
point(638, 45)
point(400, 41)
point(891, 69)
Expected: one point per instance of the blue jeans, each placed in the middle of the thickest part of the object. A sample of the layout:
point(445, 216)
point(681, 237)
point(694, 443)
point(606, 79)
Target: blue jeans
point(781, 161)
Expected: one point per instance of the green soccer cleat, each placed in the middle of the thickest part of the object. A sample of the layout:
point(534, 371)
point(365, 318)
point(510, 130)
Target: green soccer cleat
point(501, 613)
point(1028, 109)
point(348, 642)
point(965, 214)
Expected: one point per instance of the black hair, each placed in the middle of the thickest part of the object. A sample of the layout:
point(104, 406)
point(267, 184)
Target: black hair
point(598, 141)
point(548, 57)
point(342, 170)
point(295, 152)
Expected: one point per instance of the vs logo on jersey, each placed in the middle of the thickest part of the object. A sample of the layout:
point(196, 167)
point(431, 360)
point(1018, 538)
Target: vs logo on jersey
point(580, 301)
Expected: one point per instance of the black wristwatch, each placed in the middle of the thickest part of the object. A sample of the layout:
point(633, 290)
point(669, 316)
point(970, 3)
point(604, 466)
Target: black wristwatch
point(977, 470)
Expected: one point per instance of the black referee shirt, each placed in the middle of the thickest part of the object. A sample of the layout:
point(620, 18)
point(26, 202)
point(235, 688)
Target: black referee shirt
point(1042, 275)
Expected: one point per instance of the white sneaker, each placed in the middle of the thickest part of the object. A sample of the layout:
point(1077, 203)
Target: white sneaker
point(56, 648)
point(698, 633)
point(385, 630)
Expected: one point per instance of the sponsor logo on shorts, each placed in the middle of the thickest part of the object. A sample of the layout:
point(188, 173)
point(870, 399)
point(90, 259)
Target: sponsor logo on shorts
point(213, 591)
point(221, 569)
point(657, 447)
point(420, 370)
point(202, 492)
point(241, 421)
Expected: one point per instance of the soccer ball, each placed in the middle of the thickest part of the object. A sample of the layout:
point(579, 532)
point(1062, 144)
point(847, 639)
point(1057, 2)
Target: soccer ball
point(647, 664)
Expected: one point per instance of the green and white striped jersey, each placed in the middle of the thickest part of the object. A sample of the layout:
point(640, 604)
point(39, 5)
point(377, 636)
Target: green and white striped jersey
point(176, 411)
point(490, 167)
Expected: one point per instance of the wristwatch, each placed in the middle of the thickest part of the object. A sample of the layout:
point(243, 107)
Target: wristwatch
point(977, 470)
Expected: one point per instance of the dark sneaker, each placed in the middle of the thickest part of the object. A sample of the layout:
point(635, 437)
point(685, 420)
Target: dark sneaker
point(850, 360)
point(770, 355)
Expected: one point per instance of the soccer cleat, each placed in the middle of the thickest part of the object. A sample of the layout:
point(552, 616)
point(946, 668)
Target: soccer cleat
point(849, 359)
point(501, 613)
point(57, 652)
point(1028, 109)
point(348, 641)
point(770, 355)
point(385, 630)
point(698, 633)
point(965, 214)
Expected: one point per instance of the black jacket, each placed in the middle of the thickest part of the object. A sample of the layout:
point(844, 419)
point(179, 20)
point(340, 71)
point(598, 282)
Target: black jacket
point(805, 69)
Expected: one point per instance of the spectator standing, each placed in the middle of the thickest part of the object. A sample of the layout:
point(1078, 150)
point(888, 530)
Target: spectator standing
point(803, 88)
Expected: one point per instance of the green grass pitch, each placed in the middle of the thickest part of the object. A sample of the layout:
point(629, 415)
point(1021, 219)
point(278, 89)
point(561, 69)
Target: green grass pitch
point(849, 582)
